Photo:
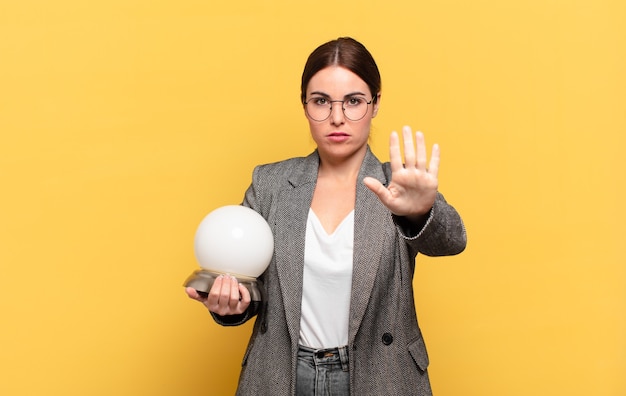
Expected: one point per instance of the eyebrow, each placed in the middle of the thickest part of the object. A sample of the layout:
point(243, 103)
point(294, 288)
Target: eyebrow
point(344, 96)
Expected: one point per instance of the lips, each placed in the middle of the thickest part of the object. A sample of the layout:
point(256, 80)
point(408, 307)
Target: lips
point(338, 137)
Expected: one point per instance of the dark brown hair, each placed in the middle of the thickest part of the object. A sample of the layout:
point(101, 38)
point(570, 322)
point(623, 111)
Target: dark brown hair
point(345, 52)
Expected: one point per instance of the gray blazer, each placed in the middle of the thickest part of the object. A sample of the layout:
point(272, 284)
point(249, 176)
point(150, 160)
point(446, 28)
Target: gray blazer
point(386, 350)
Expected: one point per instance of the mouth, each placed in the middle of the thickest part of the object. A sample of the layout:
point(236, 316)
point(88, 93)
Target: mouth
point(338, 134)
point(338, 137)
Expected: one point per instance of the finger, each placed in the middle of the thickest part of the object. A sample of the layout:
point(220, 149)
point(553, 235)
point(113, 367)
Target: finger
point(409, 149)
point(245, 296)
point(395, 158)
point(421, 151)
point(225, 293)
point(234, 293)
point(215, 292)
point(433, 168)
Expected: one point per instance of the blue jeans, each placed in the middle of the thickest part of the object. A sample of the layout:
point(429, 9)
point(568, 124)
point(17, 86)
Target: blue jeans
point(323, 372)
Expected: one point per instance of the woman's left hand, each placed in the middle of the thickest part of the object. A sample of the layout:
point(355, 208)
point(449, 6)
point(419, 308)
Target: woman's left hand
point(413, 187)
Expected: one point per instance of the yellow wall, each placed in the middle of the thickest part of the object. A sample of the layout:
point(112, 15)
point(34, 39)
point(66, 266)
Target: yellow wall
point(123, 122)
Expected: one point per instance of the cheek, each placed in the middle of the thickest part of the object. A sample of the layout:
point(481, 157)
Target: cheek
point(314, 128)
point(365, 125)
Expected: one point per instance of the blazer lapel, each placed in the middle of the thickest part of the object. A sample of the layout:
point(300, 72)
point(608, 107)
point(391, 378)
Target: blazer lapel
point(293, 208)
point(370, 217)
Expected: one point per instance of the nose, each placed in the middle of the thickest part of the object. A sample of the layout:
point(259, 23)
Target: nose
point(336, 114)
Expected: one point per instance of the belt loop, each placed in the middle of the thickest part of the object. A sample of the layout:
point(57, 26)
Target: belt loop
point(343, 355)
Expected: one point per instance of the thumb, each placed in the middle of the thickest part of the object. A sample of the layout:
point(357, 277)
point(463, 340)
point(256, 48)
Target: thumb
point(193, 294)
point(377, 188)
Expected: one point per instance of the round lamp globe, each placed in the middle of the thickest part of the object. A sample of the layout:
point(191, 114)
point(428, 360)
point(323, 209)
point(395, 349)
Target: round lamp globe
point(234, 240)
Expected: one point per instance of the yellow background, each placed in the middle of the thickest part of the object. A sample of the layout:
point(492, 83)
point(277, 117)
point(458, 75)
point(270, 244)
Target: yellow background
point(124, 122)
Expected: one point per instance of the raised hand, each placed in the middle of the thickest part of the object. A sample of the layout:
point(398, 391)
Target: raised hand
point(413, 187)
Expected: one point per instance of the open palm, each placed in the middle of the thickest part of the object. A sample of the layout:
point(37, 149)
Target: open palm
point(413, 187)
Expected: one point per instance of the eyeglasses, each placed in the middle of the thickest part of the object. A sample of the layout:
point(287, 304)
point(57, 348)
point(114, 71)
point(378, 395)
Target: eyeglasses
point(319, 108)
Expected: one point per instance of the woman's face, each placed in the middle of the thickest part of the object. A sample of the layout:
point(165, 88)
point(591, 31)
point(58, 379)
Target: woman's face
point(338, 137)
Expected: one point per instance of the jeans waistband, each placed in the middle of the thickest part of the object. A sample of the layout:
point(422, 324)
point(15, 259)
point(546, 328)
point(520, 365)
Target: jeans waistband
point(326, 354)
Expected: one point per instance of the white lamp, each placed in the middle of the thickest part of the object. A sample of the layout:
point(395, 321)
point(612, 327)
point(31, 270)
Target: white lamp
point(233, 240)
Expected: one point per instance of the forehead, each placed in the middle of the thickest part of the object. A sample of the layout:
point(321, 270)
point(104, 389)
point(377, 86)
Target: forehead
point(336, 81)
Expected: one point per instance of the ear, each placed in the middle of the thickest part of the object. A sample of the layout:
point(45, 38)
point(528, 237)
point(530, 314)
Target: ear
point(376, 105)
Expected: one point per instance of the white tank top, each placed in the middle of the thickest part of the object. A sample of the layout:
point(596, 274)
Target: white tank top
point(327, 282)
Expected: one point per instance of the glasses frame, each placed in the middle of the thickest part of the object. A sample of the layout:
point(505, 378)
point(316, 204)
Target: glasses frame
point(343, 108)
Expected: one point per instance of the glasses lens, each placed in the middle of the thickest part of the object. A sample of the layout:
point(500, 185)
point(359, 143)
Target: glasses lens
point(355, 108)
point(318, 108)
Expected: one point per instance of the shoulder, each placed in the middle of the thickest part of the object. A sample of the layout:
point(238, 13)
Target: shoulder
point(280, 166)
point(295, 171)
point(268, 180)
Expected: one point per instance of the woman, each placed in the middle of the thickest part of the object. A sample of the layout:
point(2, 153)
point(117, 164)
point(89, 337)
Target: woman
point(339, 318)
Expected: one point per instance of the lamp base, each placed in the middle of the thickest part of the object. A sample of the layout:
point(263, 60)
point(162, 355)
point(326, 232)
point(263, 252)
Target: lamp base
point(202, 280)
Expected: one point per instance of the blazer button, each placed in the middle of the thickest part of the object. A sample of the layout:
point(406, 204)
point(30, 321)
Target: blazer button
point(387, 338)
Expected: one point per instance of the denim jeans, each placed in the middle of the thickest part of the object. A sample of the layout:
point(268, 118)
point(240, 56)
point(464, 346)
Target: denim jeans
point(323, 372)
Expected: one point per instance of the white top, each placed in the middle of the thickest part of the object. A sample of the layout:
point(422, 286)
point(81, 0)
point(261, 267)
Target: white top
point(327, 281)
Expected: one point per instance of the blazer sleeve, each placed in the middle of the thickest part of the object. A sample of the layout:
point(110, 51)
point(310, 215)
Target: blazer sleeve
point(236, 320)
point(443, 233)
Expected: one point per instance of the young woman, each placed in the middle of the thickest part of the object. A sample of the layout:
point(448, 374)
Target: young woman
point(339, 317)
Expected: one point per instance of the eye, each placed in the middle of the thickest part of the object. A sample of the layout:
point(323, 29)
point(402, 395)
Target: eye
point(354, 101)
point(320, 101)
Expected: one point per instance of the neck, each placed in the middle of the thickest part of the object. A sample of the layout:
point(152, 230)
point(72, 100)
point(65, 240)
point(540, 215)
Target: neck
point(341, 169)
